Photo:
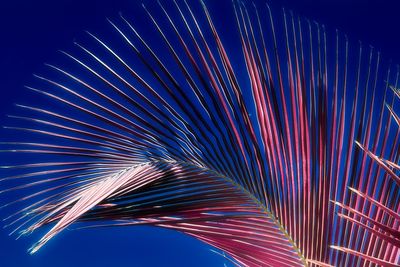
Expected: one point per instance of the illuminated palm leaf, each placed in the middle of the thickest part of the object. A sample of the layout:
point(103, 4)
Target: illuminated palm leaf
point(292, 163)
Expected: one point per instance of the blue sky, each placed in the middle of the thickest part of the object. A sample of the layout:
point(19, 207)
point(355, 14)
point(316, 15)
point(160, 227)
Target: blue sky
point(32, 31)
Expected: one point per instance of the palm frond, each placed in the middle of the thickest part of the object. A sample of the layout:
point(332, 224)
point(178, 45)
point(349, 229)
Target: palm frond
point(278, 149)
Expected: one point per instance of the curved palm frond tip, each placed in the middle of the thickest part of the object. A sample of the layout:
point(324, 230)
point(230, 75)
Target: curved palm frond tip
point(285, 156)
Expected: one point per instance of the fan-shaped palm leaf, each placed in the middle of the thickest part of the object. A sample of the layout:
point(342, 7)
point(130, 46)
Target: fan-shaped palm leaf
point(294, 162)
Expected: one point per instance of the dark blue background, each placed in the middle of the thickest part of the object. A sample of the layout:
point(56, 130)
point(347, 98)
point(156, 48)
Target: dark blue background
point(32, 31)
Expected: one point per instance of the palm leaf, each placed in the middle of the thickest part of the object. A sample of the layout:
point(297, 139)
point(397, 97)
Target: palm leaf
point(278, 150)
